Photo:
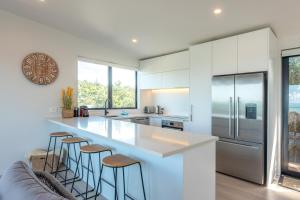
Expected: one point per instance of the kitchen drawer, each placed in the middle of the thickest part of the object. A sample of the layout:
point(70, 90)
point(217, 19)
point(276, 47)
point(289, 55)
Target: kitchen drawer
point(243, 161)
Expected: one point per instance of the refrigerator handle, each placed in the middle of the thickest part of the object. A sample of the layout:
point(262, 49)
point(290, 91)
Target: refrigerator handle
point(191, 115)
point(237, 116)
point(230, 113)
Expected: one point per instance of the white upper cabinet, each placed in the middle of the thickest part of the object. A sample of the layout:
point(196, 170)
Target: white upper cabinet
point(253, 51)
point(150, 81)
point(170, 71)
point(175, 61)
point(176, 79)
point(225, 56)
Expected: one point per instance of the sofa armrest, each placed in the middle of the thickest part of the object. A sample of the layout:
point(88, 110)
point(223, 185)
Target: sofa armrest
point(54, 184)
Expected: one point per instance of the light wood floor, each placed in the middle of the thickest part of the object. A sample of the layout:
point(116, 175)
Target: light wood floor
point(229, 188)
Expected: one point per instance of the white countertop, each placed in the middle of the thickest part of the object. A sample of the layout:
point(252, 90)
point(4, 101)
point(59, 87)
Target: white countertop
point(155, 140)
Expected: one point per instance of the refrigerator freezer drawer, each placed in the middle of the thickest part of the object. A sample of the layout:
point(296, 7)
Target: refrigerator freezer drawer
point(242, 161)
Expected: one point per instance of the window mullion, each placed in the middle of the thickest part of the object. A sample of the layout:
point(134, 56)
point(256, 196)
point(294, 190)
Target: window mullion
point(110, 87)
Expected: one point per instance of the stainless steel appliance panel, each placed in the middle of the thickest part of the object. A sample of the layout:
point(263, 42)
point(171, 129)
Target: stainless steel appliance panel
point(141, 120)
point(249, 107)
point(223, 106)
point(241, 160)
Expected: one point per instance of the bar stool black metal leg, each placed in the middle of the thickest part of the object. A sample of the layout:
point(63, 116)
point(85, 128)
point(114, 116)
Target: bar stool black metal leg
point(67, 160)
point(87, 177)
point(99, 183)
point(77, 169)
point(124, 192)
point(59, 158)
point(47, 154)
point(53, 154)
point(115, 170)
point(92, 171)
point(142, 180)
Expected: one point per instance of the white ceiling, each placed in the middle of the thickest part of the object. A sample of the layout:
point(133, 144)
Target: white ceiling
point(162, 26)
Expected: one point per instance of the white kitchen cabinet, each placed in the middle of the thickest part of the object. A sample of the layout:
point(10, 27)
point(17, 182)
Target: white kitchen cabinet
point(200, 89)
point(224, 59)
point(253, 51)
point(175, 61)
point(150, 81)
point(176, 79)
point(155, 121)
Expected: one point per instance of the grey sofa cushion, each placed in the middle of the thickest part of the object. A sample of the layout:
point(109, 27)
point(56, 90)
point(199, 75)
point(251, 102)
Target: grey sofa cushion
point(19, 183)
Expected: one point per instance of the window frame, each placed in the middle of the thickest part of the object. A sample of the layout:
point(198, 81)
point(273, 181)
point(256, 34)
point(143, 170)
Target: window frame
point(110, 89)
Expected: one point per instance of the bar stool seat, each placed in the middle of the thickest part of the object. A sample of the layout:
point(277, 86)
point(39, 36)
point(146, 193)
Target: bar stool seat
point(118, 160)
point(73, 140)
point(93, 148)
point(60, 134)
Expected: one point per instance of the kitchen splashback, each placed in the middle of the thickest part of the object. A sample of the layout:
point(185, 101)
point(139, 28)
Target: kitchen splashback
point(174, 101)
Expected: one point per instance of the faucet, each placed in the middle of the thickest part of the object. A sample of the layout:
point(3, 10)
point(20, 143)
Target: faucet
point(105, 107)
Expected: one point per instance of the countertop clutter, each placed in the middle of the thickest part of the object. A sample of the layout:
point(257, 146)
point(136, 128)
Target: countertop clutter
point(155, 140)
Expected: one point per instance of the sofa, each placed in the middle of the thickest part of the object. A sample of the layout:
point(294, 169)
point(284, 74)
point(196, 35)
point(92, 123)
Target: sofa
point(19, 182)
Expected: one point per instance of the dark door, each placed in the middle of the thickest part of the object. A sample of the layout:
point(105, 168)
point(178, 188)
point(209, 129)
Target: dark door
point(291, 116)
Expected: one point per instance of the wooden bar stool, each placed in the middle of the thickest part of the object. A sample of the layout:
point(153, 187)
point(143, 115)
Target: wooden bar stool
point(89, 150)
point(68, 142)
point(115, 162)
point(54, 135)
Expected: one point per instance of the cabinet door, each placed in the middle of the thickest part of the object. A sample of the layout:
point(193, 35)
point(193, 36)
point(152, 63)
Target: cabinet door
point(200, 88)
point(225, 56)
point(175, 61)
point(253, 51)
point(150, 81)
point(176, 79)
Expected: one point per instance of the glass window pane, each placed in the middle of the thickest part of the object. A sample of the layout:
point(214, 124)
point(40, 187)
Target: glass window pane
point(92, 84)
point(294, 115)
point(123, 88)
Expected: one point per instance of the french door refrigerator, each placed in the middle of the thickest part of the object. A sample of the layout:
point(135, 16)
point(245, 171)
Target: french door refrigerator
point(239, 120)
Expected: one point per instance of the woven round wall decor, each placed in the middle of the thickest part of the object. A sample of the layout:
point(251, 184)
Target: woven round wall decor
point(40, 68)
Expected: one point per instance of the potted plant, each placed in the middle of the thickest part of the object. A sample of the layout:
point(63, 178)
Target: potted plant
point(67, 99)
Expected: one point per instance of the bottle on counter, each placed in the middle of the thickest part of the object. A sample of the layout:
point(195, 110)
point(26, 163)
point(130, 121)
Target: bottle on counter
point(76, 112)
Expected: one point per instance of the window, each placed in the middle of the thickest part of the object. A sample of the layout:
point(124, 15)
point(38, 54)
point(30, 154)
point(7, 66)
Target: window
point(123, 88)
point(291, 116)
point(97, 83)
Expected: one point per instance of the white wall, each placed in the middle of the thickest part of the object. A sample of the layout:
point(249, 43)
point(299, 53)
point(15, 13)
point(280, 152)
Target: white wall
point(24, 106)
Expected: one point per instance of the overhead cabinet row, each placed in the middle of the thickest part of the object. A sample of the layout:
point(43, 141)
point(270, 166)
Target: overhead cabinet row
point(170, 71)
point(243, 53)
point(172, 79)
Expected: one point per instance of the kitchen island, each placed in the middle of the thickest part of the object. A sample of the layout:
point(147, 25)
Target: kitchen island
point(176, 165)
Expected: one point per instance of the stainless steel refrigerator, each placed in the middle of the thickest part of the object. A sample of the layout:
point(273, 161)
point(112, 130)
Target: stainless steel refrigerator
point(239, 120)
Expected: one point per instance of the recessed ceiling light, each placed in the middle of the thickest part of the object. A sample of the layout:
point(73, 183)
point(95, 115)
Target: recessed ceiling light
point(217, 11)
point(42, 0)
point(134, 40)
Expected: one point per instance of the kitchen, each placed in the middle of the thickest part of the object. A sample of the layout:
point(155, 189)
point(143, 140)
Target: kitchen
point(194, 110)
